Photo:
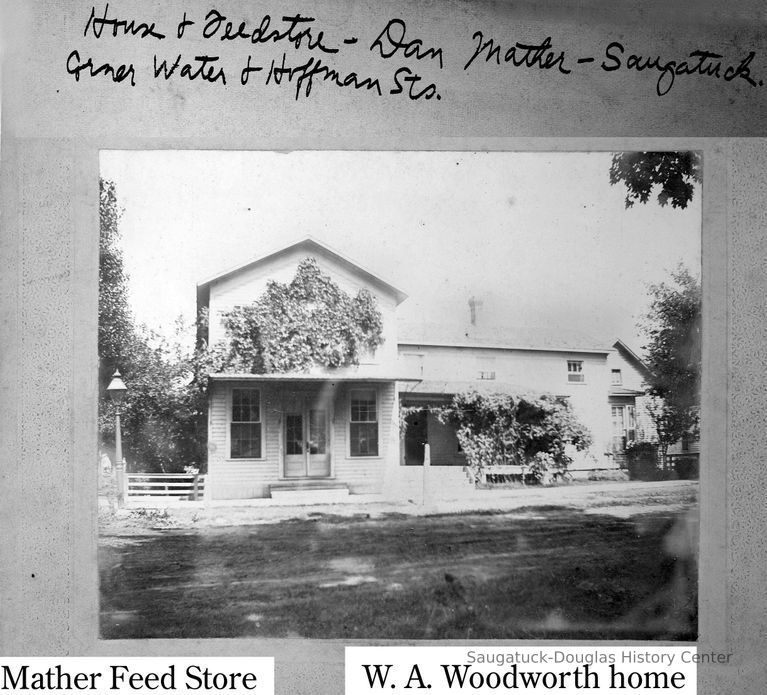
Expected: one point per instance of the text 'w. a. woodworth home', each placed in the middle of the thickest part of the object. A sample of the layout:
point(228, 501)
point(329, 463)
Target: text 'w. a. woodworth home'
point(339, 431)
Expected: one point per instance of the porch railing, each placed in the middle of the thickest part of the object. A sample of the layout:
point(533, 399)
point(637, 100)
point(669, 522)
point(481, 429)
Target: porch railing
point(495, 474)
point(171, 486)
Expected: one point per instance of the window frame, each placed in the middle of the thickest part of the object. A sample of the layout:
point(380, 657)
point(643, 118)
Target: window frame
point(231, 421)
point(631, 423)
point(628, 418)
point(486, 368)
point(349, 422)
point(576, 372)
point(616, 377)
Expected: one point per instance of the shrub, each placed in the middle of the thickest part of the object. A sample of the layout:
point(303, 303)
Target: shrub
point(642, 460)
point(502, 429)
point(307, 322)
point(609, 474)
point(542, 467)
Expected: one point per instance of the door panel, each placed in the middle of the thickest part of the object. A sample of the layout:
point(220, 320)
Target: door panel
point(295, 460)
point(306, 438)
point(317, 443)
point(416, 435)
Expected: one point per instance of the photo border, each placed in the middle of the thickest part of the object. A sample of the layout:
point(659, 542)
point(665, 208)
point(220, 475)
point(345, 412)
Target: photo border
point(302, 655)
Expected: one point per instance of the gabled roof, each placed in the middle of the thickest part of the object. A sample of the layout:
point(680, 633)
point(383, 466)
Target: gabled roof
point(631, 357)
point(310, 246)
point(546, 338)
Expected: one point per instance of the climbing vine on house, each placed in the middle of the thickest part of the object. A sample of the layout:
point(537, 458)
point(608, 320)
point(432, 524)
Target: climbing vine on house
point(501, 429)
point(308, 322)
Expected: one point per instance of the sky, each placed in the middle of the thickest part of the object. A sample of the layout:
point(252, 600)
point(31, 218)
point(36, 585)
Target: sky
point(541, 238)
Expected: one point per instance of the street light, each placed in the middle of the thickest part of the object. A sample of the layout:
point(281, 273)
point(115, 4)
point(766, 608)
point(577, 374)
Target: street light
point(116, 391)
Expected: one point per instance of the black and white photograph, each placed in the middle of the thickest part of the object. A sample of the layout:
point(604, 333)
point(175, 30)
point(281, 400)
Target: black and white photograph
point(399, 395)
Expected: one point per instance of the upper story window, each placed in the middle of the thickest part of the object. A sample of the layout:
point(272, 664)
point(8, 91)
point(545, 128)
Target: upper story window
point(616, 377)
point(486, 369)
point(245, 424)
point(575, 371)
point(363, 423)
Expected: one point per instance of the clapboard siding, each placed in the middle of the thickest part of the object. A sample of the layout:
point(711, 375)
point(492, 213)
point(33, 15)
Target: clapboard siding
point(364, 475)
point(247, 286)
point(241, 478)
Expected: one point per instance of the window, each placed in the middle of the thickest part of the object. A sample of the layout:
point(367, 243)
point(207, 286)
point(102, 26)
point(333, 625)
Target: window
point(486, 368)
point(575, 371)
point(624, 426)
point(294, 435)
point(245, 425)
point(363, 423)
point(617, 378)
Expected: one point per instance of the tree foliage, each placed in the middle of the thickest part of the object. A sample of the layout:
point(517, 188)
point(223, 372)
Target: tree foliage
point(116, 333)
point(672, 327)
point(676, 173)
point(501, 429)
point(162, 414)
point(305, 323)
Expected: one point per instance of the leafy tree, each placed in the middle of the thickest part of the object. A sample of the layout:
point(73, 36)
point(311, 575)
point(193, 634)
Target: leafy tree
point(116, 333)
point(673, 356)
point(675, 172)
point(162, 415)
point(500, 429)
point(307, 322)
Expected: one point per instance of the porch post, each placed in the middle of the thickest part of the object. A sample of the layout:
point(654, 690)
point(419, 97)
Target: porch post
point(120, 481)
point(426, 471)
point(119, 463)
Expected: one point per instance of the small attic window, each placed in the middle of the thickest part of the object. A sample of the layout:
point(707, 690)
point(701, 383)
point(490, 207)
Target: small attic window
point(575, 371)
point(616, 377)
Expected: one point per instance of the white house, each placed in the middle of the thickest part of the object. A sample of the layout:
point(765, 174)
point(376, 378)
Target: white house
point(505, 360)
point(339, 429)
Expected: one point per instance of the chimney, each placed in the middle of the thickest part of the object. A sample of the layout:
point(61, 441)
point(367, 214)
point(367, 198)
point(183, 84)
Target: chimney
point(475, 306)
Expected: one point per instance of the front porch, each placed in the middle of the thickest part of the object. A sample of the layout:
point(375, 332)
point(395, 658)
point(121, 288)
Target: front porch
point(282, 435)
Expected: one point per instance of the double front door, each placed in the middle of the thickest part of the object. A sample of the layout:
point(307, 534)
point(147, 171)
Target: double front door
point(306, 437)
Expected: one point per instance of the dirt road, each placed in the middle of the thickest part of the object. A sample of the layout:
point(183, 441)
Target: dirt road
point(584, 563)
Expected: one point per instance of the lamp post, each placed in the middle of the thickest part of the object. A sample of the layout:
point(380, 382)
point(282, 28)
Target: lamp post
point(116, 391)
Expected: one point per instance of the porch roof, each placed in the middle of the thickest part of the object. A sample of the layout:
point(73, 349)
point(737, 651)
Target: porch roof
point(623, 391)
point(314, 378)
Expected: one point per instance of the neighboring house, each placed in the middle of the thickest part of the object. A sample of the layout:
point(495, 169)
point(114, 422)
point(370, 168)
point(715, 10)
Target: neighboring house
point(502, 360)
point(630, 421)
point(340, 428)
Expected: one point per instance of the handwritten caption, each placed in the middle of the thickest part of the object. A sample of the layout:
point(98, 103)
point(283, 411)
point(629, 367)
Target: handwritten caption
point(296, 51)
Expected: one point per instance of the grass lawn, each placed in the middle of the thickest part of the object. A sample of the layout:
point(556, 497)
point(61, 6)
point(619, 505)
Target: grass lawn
point(535, 572)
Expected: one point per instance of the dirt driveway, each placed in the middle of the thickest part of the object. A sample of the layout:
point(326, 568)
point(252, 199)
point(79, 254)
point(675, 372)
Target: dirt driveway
point(600, 561)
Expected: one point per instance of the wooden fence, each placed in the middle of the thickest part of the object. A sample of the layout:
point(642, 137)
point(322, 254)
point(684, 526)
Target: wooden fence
point(502, 474)
point(167, 486)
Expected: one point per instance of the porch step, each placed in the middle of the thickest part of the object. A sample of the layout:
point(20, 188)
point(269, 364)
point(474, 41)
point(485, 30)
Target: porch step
point(448, 482)
point(309, 492)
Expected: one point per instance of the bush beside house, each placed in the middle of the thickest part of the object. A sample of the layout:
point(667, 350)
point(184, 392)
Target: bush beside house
point(499, 429)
